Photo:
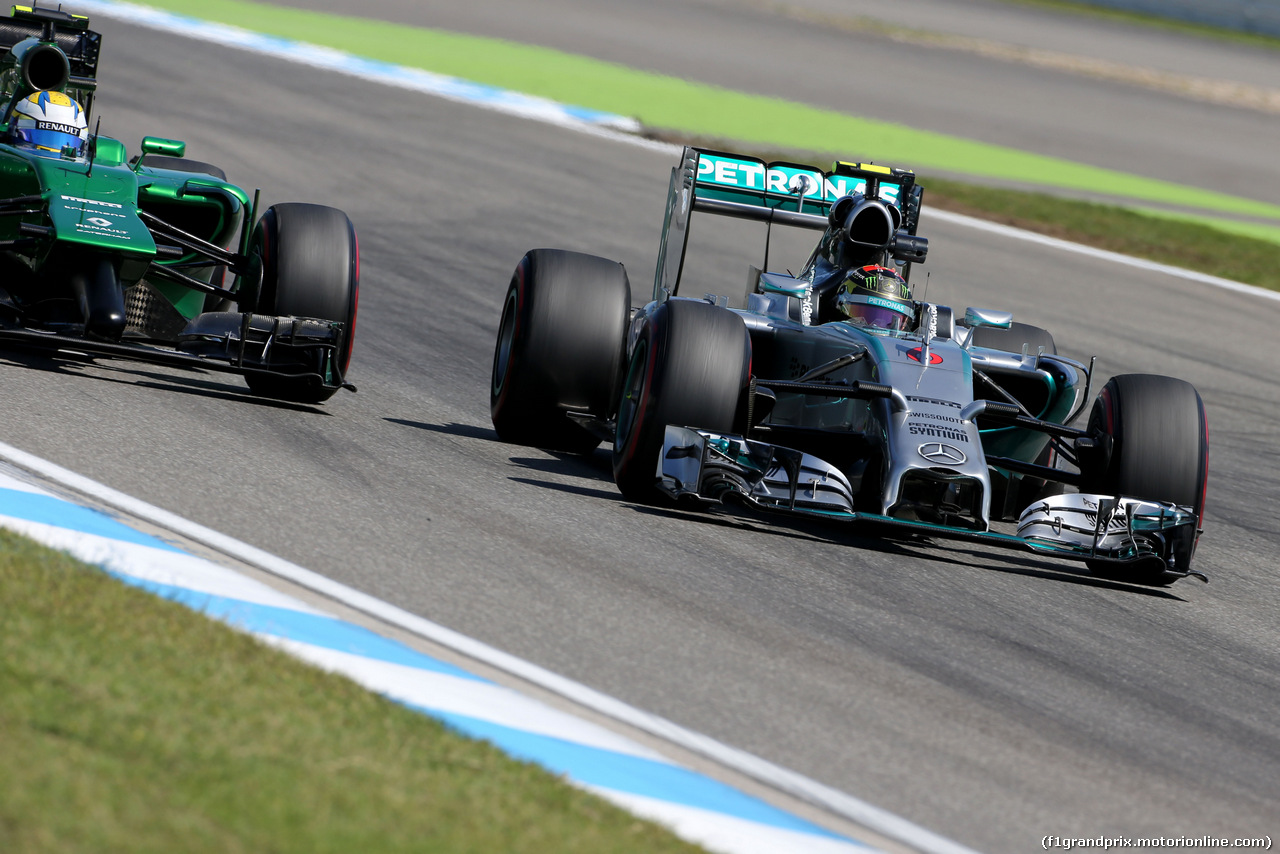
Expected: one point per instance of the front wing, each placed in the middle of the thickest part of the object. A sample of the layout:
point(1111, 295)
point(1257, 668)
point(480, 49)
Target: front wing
point(229, 342)
point(703, 466)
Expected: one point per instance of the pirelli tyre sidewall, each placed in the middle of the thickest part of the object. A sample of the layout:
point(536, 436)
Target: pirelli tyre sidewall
point(690, 367)
point(310, 261)
point(1159, 441)
point(560, 349)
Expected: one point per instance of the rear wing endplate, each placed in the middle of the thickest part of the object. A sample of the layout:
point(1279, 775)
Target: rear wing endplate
point(780, 192)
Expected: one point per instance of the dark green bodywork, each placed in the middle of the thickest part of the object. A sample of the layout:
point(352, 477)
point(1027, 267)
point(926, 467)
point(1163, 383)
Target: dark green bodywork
point(153, 256)
point(78, 197)
point(89, 207)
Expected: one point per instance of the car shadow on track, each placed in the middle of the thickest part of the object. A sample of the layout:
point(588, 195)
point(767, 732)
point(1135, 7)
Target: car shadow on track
point(1018, 563)
point(792, 528)
point(467, 431)
point(191, 383)
point(595, 465)
point(568, 488)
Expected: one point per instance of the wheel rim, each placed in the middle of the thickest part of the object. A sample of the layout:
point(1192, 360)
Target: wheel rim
point(355, 301)
point(632, 389)
point(506, 340)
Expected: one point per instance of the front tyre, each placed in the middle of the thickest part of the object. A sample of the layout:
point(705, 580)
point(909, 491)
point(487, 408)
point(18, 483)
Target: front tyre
point(559, 349)
point(690, 367)
point(310, 268)
point(1159, 442)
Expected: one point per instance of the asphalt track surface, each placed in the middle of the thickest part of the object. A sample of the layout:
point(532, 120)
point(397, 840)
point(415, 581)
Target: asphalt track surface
point(991, 697)
point(824, 53)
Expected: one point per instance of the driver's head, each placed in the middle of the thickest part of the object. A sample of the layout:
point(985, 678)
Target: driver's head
point(878, 297)
point(49, 122)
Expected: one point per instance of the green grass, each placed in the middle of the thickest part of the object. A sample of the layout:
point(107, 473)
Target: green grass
point(1153, 21)
point(1153, 235)
point(127, 723)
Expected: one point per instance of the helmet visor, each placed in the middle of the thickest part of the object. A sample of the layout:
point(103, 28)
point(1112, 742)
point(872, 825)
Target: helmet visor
point(49, 140)
point(874, 315)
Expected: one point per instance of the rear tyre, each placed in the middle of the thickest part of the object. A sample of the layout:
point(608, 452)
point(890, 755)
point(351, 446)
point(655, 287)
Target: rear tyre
point(1160, 442)
point(310, 268)
point(560, 348)
point(1012, 339)
point(690, 367)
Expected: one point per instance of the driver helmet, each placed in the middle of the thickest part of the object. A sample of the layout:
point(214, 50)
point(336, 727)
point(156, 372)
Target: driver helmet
point(49, 121)
point(878, 297)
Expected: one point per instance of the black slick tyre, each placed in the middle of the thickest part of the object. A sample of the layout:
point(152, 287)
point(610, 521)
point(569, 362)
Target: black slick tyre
point(690, 367)
point(310, 268)
point(560, 348)
point(1159, 442)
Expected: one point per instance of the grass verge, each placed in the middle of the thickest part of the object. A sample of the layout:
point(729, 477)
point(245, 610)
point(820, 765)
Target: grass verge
point(1154, 236)
point(129, 724)
point(1170, 24)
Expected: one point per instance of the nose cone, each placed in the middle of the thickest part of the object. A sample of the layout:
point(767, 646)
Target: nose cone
point(101, 300)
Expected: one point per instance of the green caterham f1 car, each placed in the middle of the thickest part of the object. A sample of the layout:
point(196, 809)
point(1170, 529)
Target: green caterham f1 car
point(154, 257)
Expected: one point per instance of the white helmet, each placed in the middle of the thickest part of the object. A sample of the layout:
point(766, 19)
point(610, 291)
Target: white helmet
point(49, 121)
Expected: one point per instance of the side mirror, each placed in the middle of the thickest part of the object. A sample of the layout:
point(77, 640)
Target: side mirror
point(160, 145)
point(975, 317)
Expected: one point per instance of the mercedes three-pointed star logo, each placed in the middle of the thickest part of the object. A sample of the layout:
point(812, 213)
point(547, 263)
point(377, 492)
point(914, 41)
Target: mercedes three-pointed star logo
point(947, 455)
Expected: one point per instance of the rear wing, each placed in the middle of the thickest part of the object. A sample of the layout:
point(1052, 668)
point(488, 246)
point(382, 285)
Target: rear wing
point(69, 32)
point(790, 194)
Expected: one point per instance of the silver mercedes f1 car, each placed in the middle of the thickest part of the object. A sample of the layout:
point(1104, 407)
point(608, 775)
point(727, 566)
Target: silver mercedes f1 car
point(833, 393)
